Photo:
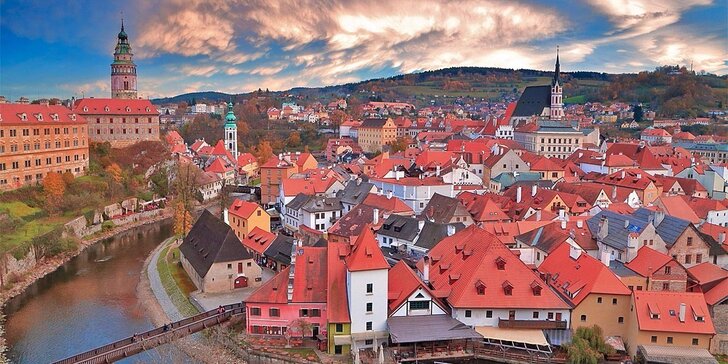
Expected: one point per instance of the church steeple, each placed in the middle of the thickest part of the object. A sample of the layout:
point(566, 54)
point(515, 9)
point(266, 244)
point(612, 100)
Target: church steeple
point(557, 102)
point(231, 131)
point(123, 70)
point(557, 71)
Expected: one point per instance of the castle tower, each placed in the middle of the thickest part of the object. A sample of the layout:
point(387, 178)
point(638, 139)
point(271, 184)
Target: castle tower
point(123, 70)
point(231, 132)
point(557, 102)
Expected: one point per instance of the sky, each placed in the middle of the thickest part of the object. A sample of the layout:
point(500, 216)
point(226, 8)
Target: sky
point(64, 48)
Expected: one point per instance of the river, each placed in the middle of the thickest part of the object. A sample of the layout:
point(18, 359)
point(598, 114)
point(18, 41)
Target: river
point(88, 302)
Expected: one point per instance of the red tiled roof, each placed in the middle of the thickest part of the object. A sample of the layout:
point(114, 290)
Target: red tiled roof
point(337, 306)
point(258, 240)
point(311, 267)
point(93, 106)
point(647, 261)
point(242, 208)
point(429, 157)
point(678, 207)
point(706, 273)
point(634, 178)
point(246, 158)
point(217, 166)
point(655, 132)
point(385, 203)
point(273, 291)
point(221, 151)
point(662, 302)
point(366, 254)
point(173, 138)
point(717, 294)
point(471, 255)
point(583, 275)
point(358, 219)
point(413, 181)
point(10, 114)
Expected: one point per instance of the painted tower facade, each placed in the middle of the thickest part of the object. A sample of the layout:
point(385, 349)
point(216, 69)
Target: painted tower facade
point(231, 132)
point(557, 101)
point(123, 70)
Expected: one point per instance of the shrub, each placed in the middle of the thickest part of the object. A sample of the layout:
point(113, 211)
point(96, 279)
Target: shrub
point(107, 225)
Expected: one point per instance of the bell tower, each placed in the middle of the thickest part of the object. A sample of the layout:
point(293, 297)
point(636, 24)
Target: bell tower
point(123, 70)
point(231, 132)
point(557, 102)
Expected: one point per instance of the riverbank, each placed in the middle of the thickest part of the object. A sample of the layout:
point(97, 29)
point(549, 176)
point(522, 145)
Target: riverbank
point(162, 310)
point(48, 265)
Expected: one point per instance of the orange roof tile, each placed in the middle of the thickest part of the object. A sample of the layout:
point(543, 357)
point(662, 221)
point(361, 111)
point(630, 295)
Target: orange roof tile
point(706, 273)
point(667, 305)
point(648, 260)
point(386, 203)
point(717, 294)
point(258, 240)
point(565, 273)
point(366, 254)
point(402, 283)
point(94, 106)
point(242, 208)
point(337, 306)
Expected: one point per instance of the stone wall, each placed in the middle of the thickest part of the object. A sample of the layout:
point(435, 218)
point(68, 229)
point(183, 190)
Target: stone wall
point(76, 226)
point(136, 217)
point(11, 265)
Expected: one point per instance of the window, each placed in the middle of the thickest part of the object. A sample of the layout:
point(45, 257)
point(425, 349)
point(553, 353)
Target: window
point(614, 301)
point(653, 339)
point(338, 349)
point(255, 311)
point(468, 313)
point(696, 341)
point(535, 314)
point(688, 259)
point(419, 305)
point(274, 312)
point(669, 340)
point(368, 342)
point(599, 300)
point(303, 312)
point(370, 287)
point(620, 319)
point(550, 316)
point(230, 266)
point(668, 270)
point(369, 307)
point(583, 318)
point(489, 314)
point(698, 258)
point(369, 326)
point(665, 286)
point(339, 327)
point(315, 312)
point(690, 240)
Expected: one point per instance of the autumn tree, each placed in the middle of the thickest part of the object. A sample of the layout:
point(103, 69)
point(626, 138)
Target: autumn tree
point(587, 346)
point(115, 172)
point(263, 152)
point(185, 183)
point(53, 189)
point(398, 145)
point(182, 220)
point(294, 140)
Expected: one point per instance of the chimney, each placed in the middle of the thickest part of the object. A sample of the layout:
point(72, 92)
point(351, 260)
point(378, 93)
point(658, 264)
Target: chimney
point(421, 224)
point(389, 195)
point(639, 175)
point(437, 170)
point(450, 230)
point(562, 215)
point(603, 228)
point(375, 218)
point(225, 216)
point(580, 223)
point(626, 223)
point(563, 224)
point(518, 194)
point(659, 216)
point(426, 270)
point(623, 174)
point(632, 245)
point(614, 193)
point(538, 215)
point(534, 189)
point(606, 258)
point(681, 315)
point(721, 237)
point(396, 175)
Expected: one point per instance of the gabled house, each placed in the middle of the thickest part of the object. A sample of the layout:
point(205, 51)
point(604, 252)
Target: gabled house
point(215, 259)
point(647, 187)
point(298, 292)
point(662, 272)
point(485, 284)
point(590, 287)
point(244, 216)
point(544, 240)
point(500, 161)
point(257, 241)
point(446, 210)
point(278, 254)
point(669, 319)
point(412, 236)
point(354, 192)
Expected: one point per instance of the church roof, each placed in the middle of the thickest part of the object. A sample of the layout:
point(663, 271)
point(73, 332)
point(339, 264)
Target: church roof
point(533, 100)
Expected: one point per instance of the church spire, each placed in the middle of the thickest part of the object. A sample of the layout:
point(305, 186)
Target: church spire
point(557, 72)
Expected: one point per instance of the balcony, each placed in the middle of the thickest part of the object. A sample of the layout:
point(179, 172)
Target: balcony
point(531, 324)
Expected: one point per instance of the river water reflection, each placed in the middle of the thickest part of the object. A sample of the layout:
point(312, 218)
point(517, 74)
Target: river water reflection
point(88, 302)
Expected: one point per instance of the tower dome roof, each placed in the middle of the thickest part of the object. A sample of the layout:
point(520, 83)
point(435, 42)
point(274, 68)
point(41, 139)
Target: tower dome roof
point(122, 34)
point(230, 117)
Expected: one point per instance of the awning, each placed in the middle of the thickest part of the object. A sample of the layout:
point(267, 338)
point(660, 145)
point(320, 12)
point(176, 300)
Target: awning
point(558, 337)
point(342, 339)
point(369, 335)
point(676, 354)
point(415, 329)
point(526, 336)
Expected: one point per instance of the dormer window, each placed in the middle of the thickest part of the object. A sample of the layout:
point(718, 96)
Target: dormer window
point(54, 117)
point(148, 109)
point(536, 288)
point(500, 263)
point(85, 109)
point(128, 109)
point(480, 287)
point(39, 116)
point(23, 116)
point(507, 288)
point(73, 117)
point(106, 108)
point(458, 248)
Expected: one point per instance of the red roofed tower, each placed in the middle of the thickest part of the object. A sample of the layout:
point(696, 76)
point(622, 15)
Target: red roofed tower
point(123, 70)
point(367, 275)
